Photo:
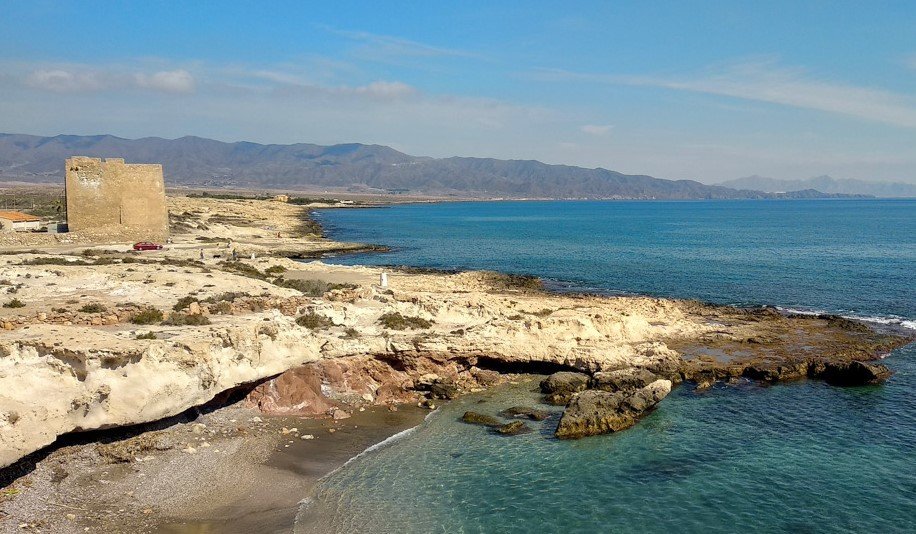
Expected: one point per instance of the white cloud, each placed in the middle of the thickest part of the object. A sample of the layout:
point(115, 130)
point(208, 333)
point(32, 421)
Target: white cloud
point(74, 78)
point(596, 129)
point(765, 81)
point(65, 81)
point(383, 89)
point(385, 45)
point(173, 81)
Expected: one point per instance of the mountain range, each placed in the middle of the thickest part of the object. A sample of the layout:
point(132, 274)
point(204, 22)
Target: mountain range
point(196, 161)
point(826, 184)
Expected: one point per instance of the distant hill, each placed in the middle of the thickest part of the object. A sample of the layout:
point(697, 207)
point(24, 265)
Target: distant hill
point(825, 184)
point(197, 161)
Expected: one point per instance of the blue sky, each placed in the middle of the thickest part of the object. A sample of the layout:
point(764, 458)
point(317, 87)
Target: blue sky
point(701, 90)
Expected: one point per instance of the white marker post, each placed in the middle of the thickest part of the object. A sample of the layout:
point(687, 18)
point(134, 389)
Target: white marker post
point(383, 280)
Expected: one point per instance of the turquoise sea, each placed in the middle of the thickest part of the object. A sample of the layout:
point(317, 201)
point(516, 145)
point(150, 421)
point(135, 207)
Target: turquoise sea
point(803, 457)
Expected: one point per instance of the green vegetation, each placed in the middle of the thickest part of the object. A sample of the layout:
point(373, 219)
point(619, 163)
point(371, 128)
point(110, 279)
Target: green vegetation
point(221, 308)
point(351, 333)
point(275, 270)
point(15, 303)
point(396, 321)
point(522, 282)
point(311, 288)
point(184, 302)
point(93, 307)
point(314, 321)
point(184, 319)
point(147, 316)
point(226, 196)
point(228, 296)
point(243, 269)
point(147, 335)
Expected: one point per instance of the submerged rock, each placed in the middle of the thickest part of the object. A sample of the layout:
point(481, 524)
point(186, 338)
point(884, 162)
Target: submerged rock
point(513, 428)
point(596, 412)
point(475, 418)
point(524, 412)
point(629, 379)
point(560, 387)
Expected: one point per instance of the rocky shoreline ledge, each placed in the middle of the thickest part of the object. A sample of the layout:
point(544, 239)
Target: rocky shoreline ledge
point(101, 338)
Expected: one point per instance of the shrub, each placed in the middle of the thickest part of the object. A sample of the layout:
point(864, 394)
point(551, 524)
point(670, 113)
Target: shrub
point(311, 288)
point(396, 321)
point(523, 282)
point(147, 316)
point(221, 307)
point(228, 296)
point(93, 307)
point(542, 313)
point(243, 269)
point(276, 269)
point(184, 319)
point(184, 302)
point(351, 333)
point(314, 321)
point(148, 335)
point(15, 303)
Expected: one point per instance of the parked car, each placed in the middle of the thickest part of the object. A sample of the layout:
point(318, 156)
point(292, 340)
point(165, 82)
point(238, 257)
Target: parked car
point(146, 245)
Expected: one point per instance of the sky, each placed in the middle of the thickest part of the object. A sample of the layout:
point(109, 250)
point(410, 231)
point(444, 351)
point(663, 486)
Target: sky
point(700, 90)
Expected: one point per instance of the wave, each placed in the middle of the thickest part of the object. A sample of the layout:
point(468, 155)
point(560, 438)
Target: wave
point(889, 320)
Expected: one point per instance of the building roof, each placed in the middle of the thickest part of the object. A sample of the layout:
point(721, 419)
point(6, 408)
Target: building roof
point(18, 216)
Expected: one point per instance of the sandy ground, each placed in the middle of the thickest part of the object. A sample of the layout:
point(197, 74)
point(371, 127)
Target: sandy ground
point(263, 466)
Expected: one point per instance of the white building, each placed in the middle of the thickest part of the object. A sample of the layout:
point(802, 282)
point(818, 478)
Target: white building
point(17, 221)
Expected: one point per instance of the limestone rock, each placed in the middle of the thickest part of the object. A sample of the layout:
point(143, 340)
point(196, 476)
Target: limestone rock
point(629, 379)
point(852, 373)
point(443, 388)
point(524, 412)
point(560, 387)
point(596, 412)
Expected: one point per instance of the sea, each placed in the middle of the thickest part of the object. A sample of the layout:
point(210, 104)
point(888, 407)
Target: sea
point(798, 457)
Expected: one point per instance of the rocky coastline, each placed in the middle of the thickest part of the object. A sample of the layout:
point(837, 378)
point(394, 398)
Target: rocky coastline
point(106, 338)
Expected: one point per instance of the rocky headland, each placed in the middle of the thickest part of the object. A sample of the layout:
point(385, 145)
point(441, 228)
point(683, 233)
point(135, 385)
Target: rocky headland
point(100, 337)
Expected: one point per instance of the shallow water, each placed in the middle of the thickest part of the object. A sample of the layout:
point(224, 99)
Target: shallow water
point(788, 458)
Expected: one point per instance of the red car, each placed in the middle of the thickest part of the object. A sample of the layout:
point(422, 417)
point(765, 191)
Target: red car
point(146, 245)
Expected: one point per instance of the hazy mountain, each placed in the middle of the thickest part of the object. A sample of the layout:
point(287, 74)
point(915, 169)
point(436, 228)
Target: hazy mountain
point(825, 184)
point(205, 162)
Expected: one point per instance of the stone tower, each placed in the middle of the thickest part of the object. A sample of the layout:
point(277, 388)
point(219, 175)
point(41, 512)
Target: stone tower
point(114, 197)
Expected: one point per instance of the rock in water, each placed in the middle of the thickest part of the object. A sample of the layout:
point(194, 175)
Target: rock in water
point(626, 380)
point(852, 373)
point(560, 387)
point(513, 428)
point(475, 418)
point(524, 412)
point(596, 412)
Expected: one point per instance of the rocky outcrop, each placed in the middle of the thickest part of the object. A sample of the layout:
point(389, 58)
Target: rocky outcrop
point(850, 374)
point(101, 372)
point(629, 379)
point(560, 387)
point(52, 383)
point(596, 412)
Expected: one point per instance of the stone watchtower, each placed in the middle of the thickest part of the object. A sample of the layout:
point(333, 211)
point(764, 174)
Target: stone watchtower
point(114, 197)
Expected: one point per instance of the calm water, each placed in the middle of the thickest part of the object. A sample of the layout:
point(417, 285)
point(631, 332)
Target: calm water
point(791, 458)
